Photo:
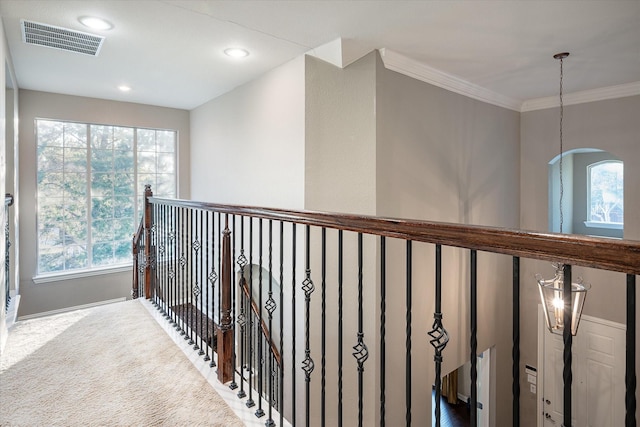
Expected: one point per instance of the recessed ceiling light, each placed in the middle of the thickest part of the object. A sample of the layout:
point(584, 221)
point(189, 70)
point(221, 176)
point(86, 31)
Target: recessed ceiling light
point(95, 23)
point(236, 52)
point(124, 88)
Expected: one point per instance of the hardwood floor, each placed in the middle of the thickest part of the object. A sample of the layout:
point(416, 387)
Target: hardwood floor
point(451, 415)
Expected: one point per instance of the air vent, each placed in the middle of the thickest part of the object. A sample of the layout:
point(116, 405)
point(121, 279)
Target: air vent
point(60, 38)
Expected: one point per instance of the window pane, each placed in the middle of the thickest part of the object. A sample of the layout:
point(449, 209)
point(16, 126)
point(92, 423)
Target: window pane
point(50, 158)
point(102, 185)
point(146, 140)
point(101, 160)
point(123, 138)
point(123, 161)
point(75, 160)
point(165, 163)
point(75, 135)
point(101, 137)
point(146, 162)
point(166, 141)
point(606, 192)
point(89, 179)
point(49, 133)
point(103, 253)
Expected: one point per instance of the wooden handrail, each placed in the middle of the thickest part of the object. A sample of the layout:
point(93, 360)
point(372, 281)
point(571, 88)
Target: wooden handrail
point(265, 330)
point(607, 254)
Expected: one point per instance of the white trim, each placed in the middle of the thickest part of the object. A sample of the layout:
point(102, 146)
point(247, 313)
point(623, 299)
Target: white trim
point(410, 67)
point(46, 278)
point(596, 224)
point(418, 70)
point(74, 308)
point(600, 94)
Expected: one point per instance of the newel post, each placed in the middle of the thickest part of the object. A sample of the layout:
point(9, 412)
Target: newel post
point(225, 332)
point(148, 219)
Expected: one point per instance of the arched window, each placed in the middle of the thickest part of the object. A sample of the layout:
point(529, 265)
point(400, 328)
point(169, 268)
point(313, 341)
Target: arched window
point(605, 194)
point(593, 193)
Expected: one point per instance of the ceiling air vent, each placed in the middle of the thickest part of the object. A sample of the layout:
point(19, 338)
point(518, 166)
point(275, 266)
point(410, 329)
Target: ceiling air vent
point(60, 38)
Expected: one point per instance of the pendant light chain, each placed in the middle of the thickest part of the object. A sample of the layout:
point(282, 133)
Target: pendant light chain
point(561, 57)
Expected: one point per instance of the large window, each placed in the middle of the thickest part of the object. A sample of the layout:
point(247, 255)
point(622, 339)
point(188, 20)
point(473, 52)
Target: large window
point(90, 189)
point(605, 193)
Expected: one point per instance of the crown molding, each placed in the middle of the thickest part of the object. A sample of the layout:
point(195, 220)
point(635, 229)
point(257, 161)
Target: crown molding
point(397, 62)
point(600, 94)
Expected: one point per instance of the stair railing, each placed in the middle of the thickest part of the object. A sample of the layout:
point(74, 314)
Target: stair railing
point(339, 275)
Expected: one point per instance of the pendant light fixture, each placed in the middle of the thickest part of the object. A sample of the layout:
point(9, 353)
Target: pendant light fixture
point(552, 291)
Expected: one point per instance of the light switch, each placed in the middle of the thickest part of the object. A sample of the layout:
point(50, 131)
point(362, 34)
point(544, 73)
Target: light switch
point(532, 379)
point(532, 387)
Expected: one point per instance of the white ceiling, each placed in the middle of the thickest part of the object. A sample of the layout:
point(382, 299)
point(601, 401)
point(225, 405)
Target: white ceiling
point(171, 52)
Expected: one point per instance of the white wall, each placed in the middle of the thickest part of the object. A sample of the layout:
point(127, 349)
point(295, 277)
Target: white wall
point(248, 145)
point(3, 54)
point(612, 126)
point(56, 295)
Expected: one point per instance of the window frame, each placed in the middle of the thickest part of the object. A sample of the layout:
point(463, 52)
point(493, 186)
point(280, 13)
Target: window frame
point(602, 224)
point(92, 268)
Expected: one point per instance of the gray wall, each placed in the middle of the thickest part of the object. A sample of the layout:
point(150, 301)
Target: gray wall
point(247, 146)
point(612, 126)
point(50, 296)
point(446, 157)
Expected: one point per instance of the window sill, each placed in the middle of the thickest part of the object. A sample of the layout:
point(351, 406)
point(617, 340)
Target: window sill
point(610, 225)
point(56, 277)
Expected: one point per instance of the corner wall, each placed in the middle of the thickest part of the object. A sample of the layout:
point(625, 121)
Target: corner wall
point(68, 293)
point(445, 157)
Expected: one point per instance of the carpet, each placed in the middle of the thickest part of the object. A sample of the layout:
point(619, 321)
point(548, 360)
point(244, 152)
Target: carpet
point(110, 365)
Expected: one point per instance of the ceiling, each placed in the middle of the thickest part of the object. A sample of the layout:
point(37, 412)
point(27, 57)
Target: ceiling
point(170, 52)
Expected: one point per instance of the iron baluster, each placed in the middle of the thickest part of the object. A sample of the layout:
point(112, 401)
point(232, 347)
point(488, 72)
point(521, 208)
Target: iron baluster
point(250, 403)
point(293, 323)
point(360, 350)
point(323, 346)
point(281, 367)
point(516, 342)
point(567, 339)
point(340, 324)
point(260, 411)
point(308, 288)
point(270, 305)
point(408, 335)
point(242, 263)
point(438, 334)
point(383, 326)
point(474, 339)
point(630, 368)
point(233, 384)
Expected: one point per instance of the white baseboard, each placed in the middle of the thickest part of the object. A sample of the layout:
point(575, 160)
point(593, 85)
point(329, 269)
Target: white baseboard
point(67, 309)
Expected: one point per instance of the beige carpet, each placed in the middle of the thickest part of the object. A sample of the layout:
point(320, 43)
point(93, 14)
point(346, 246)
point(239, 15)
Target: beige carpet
point(106, 366)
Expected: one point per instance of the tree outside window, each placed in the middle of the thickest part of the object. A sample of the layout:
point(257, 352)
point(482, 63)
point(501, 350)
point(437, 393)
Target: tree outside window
point(90, 187)
point(606, 192)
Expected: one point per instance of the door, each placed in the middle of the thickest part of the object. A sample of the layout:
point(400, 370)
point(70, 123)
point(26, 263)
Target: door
point(598, 362)
point(484, 387)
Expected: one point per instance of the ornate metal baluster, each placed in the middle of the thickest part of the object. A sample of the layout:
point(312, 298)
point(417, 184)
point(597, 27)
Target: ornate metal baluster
point(213, 279)
point(438, 334)
point(183, 263)
point(308, 288)
point(172, 265)
point(242, 319)
point(270, 305)
point(233, 384)
point(360, 350)
point(203, 328)
point(208, 284)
